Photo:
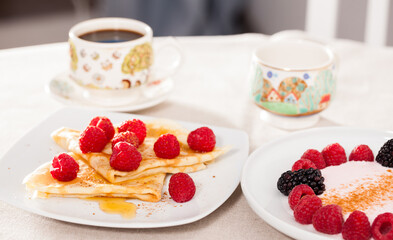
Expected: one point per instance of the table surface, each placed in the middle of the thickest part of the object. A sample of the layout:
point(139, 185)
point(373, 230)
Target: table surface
point(212, 88)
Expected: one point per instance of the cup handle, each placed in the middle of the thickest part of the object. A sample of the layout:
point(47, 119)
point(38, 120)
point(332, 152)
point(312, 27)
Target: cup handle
point(168, 58)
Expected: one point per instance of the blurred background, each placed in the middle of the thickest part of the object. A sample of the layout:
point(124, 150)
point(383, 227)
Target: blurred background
point(31, 22)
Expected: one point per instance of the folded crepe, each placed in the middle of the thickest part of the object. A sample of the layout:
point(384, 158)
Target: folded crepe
point(188, 160)
point(90, 184)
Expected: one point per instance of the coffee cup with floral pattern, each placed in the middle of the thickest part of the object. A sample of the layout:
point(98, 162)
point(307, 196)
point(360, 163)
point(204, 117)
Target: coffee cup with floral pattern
point(293, 77)
point(110, 70)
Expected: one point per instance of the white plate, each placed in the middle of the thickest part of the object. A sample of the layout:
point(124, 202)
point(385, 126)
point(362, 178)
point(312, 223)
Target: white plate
point(214, 184)
point(265, 165)
point(64, 90)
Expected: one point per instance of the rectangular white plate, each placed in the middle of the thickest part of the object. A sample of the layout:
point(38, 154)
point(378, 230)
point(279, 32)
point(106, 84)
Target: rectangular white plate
point(214, 185)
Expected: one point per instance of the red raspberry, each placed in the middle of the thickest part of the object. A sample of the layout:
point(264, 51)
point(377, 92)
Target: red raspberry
point(125, 157)
point(105, 124)
point(303, 164)
point(306, 208)
point(181, 187)
point(357, 227)
point(298, 193)
point(316, 157)
point(92, 139)
point(382, 227)
point(167, 146)
point(334, 154)
point(202, 139)
point(126, 136)
point(361, 153)
point(136, 126)
point(64, 167)
point(328, 219)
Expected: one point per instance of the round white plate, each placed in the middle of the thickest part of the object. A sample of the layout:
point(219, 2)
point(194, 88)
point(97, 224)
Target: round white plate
point(214, 185)
point(63, 89)
point(265, 165)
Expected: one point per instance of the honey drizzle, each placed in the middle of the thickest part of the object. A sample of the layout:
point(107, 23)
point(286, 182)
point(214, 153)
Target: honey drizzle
point(115, 206)
point(371, 192)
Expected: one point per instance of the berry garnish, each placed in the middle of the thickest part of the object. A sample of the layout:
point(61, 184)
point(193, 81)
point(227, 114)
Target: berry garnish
point(385, 154)
point(136, 126)
point(202, 139)
point(303, 164)
point(382, 227)
point(64, 167)
point(126, 136)
point(167, 146)
point(357, 227)
point(361, 153)
point(125, 157)
point(312, 177)
point(105, 124)
point(298, 193)
point(316, 157)
point(92, 139)
point(306, 208)
point(334, 154)
point(328, 219)
point(181, 187)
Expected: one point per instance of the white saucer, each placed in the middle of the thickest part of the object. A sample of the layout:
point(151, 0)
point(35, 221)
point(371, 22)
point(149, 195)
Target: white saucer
point(66, 91)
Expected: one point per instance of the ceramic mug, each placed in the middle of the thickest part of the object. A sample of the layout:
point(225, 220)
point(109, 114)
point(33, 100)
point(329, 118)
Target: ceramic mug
point(109, 70)
point(293, 77)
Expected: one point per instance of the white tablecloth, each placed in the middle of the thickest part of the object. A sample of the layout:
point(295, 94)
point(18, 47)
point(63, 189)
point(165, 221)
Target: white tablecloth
point(211, 87)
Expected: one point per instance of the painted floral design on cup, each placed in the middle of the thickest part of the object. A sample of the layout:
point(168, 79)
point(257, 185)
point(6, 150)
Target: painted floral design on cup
point(293, 96)
point(95, 56)
point(74, 57)
point(139, 58)
point(83, 53)
point(86, 67)
point(126, 83)
point(106, 65)
point(116, 55)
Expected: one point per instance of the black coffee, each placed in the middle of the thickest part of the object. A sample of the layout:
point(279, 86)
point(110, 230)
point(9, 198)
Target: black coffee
point(111, 36)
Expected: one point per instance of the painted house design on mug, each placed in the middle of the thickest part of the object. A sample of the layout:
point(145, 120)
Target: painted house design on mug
point(303, 94)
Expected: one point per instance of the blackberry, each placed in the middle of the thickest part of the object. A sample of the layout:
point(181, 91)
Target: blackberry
point(312, 177)
point(385, 154)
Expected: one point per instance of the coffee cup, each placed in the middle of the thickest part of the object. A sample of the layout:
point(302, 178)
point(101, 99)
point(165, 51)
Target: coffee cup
point(293, 77)
point(112, 59)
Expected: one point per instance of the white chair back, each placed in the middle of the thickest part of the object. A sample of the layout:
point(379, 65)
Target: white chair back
point(321, 20)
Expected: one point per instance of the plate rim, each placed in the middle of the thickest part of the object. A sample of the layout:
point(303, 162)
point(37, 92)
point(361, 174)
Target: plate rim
point(69, 102)
point(129, 225)
point(273, 221)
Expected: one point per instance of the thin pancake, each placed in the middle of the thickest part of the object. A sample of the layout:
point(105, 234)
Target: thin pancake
point(187, 161)
point(90, 184)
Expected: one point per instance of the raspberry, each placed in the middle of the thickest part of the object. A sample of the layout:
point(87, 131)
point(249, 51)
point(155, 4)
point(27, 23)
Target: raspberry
point(328, 219)
point(385, 154)
point(125, 157)
point(136, 126)
point(298, 193)
point(92, 139)
point(126, 136)
point(202, 139)
point(167, 146)
point(105, 124)
point(316, 157)
point(64, 167)
point(382, 227)
point(357, 227)
point(303, 164)
point(181, 187)
point(306, 208)
point(334, 154)
point(361, 153)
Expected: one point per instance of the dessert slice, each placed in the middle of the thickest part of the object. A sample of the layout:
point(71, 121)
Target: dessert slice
point(90, 184)
point(188, 160)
